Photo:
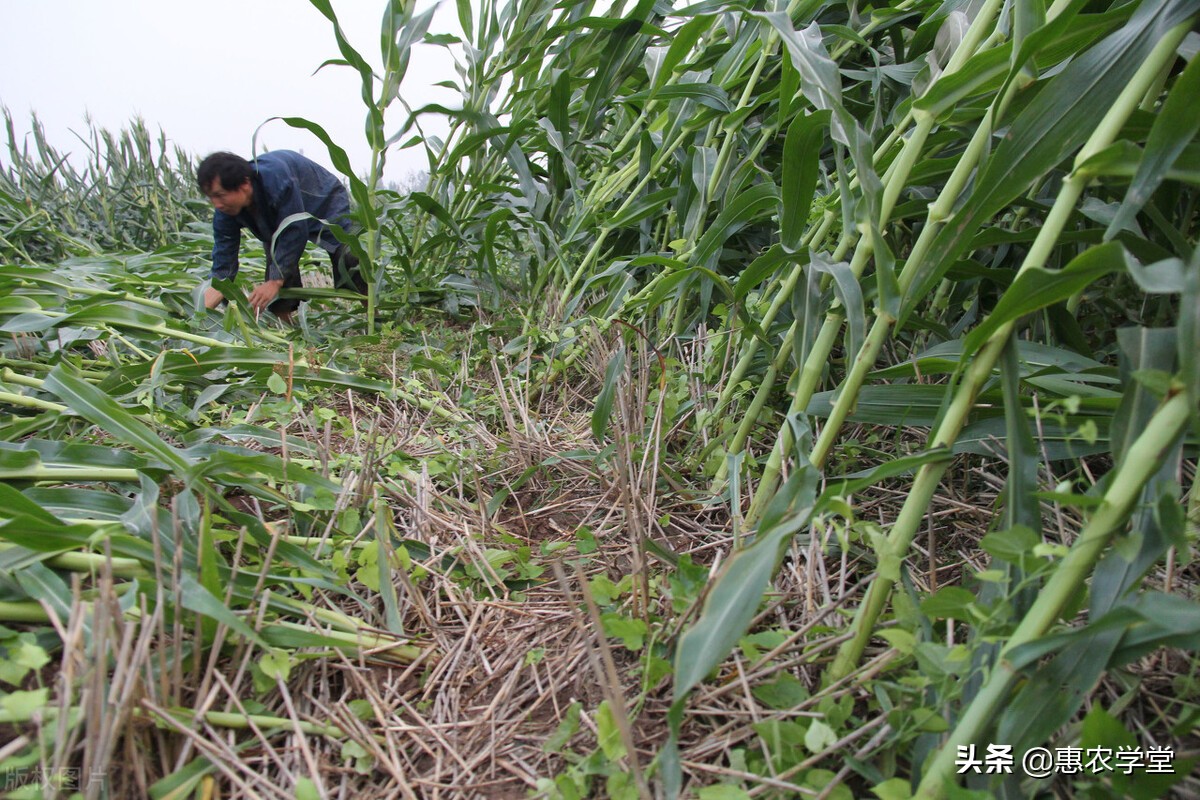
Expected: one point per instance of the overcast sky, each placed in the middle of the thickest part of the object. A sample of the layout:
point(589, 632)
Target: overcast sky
point(208, 73)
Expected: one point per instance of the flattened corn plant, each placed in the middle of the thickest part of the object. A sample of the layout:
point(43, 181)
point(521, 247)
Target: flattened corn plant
point(155, 514)
point(973, 219)
point(124, 191)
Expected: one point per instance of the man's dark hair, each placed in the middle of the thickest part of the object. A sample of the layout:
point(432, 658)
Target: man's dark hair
point(230, 168)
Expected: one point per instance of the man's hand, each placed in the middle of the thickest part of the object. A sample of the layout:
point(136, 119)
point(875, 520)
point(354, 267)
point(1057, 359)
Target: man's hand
point(264, 294)
point(212, 298)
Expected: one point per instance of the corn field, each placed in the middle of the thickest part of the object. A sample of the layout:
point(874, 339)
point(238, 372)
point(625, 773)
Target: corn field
point(759, 400)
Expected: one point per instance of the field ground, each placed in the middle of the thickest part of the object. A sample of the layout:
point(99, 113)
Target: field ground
point(522, 578)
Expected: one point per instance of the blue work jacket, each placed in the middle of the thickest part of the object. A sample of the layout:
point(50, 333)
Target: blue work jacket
point(285, 183)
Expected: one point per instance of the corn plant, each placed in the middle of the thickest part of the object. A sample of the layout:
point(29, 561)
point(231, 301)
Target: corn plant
point(800, 191)
point(131, 507)
point(400, 30)
point(120, 191)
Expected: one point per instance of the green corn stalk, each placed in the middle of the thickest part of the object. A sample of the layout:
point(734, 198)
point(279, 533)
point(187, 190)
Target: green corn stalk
point(980, 369)
point(817, 358)
point(400, 29)
point(1141, 462)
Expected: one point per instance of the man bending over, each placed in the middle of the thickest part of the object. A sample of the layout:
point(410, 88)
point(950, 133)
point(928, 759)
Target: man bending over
point(261, 195)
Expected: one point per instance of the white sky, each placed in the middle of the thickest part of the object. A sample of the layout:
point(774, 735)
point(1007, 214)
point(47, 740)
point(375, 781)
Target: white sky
point(209, 73)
